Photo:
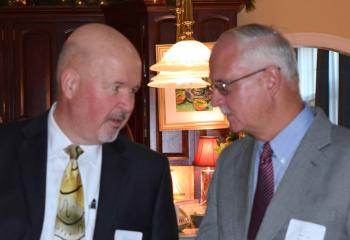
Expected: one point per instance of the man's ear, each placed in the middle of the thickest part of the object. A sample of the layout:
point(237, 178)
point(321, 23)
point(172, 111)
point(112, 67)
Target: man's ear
point(274, 80)
point(69, 82)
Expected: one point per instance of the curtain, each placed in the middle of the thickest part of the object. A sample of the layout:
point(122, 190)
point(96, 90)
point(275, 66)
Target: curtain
point(307, 74)
point(322, 83)
point(333, 81)
point(344, 90)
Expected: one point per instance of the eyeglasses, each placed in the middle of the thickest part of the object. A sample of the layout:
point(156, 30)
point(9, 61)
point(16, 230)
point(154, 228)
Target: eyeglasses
point(222, 86)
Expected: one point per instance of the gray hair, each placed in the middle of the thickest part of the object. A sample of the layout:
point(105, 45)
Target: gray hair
point(269, 47)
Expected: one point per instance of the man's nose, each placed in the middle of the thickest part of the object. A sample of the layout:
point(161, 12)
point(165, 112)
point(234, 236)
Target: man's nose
point(216, 98)
point(126, 100)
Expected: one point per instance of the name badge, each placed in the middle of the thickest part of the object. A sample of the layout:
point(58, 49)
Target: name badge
point(127, 235)
point(301, 230)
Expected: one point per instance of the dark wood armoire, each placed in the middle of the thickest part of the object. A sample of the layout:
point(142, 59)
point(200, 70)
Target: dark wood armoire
point(31, 38)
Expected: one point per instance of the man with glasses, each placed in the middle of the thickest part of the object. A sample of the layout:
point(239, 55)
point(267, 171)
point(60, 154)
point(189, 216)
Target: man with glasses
point(289, 178)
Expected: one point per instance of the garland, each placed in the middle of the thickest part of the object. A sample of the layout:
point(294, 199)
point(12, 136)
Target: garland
point(249, 5)
point(75, 3)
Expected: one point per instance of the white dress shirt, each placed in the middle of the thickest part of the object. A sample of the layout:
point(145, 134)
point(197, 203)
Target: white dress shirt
point(90, 169)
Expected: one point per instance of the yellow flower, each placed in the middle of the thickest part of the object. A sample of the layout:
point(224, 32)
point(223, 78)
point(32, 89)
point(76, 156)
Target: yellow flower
point(221, 146)
point(228, 140)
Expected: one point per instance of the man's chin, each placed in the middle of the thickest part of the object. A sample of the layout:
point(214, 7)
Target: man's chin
point(234, 127)
point(104, 137)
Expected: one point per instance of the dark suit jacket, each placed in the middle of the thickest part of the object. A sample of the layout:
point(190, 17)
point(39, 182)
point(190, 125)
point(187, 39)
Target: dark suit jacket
point(135, 187)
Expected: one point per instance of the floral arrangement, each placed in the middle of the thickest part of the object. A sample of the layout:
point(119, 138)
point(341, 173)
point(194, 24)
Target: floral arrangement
point(232, 136)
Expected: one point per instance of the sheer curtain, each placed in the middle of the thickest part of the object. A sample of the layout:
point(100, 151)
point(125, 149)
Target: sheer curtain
point(307, 67)
point(307, 63)
point(333, 86)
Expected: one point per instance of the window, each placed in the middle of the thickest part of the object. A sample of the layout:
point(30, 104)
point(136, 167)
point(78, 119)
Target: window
point(307, 67)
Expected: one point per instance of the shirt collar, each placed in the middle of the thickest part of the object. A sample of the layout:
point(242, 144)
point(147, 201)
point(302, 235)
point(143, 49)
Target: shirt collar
point(287, 141)
point(58, 141)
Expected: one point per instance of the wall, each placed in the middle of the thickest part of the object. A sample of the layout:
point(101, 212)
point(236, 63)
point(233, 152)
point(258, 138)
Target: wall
point(290, 16)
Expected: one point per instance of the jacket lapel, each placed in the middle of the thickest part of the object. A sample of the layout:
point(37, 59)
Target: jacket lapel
point(113, 172)
point(245, 184)
point(241, 183)
point(297, 181)
point(32, 154)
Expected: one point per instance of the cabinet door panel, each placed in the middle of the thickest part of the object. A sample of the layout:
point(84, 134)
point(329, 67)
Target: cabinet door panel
point(33, 38)
point(3, 74)
point(210, 23)
point(35, 46)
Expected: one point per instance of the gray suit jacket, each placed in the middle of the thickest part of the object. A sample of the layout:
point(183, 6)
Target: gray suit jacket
point(315, 188)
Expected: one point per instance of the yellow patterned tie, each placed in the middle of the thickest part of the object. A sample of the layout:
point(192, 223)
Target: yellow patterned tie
point(70, 223)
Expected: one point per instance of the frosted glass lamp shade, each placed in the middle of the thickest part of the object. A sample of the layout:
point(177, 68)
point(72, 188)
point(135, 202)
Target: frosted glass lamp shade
point(186, 55)
point(183, 79)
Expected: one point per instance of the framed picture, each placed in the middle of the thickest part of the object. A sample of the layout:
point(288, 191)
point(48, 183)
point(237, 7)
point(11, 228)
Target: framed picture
point(187, 109)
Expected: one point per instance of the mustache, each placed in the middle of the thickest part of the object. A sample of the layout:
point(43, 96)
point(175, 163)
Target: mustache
point(119, 116)
point(225, 110)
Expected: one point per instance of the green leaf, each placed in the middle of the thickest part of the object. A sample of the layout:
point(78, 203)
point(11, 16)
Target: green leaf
point(250, 5)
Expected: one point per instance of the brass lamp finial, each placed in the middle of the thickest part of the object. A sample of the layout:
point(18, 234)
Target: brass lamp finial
point(184, 20)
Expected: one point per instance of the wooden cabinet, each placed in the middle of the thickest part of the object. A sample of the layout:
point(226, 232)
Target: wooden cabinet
point(211, 19)
point(152, 22)
point(31, 38)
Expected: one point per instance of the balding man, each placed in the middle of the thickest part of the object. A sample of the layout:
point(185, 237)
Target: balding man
point(289, 178)
point(67, 174)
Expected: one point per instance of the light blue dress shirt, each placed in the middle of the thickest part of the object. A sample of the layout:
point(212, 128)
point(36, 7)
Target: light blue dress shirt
point(284, 145)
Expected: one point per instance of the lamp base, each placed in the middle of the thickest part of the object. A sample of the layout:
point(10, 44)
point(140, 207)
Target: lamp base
point(206, 176)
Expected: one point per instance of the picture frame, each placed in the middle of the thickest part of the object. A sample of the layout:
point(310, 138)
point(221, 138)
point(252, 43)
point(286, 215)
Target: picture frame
point(171, 119)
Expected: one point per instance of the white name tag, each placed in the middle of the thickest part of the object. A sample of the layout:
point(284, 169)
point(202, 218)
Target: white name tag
point(127, 235)
point(301, 230)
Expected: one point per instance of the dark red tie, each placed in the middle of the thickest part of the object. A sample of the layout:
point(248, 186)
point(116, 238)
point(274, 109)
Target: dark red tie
point(263, 192)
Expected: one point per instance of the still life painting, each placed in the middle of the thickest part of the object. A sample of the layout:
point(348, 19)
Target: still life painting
point(186, 109)
point(193, 99)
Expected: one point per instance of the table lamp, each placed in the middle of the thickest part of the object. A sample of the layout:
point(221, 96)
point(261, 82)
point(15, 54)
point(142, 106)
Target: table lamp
point(206, 157)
